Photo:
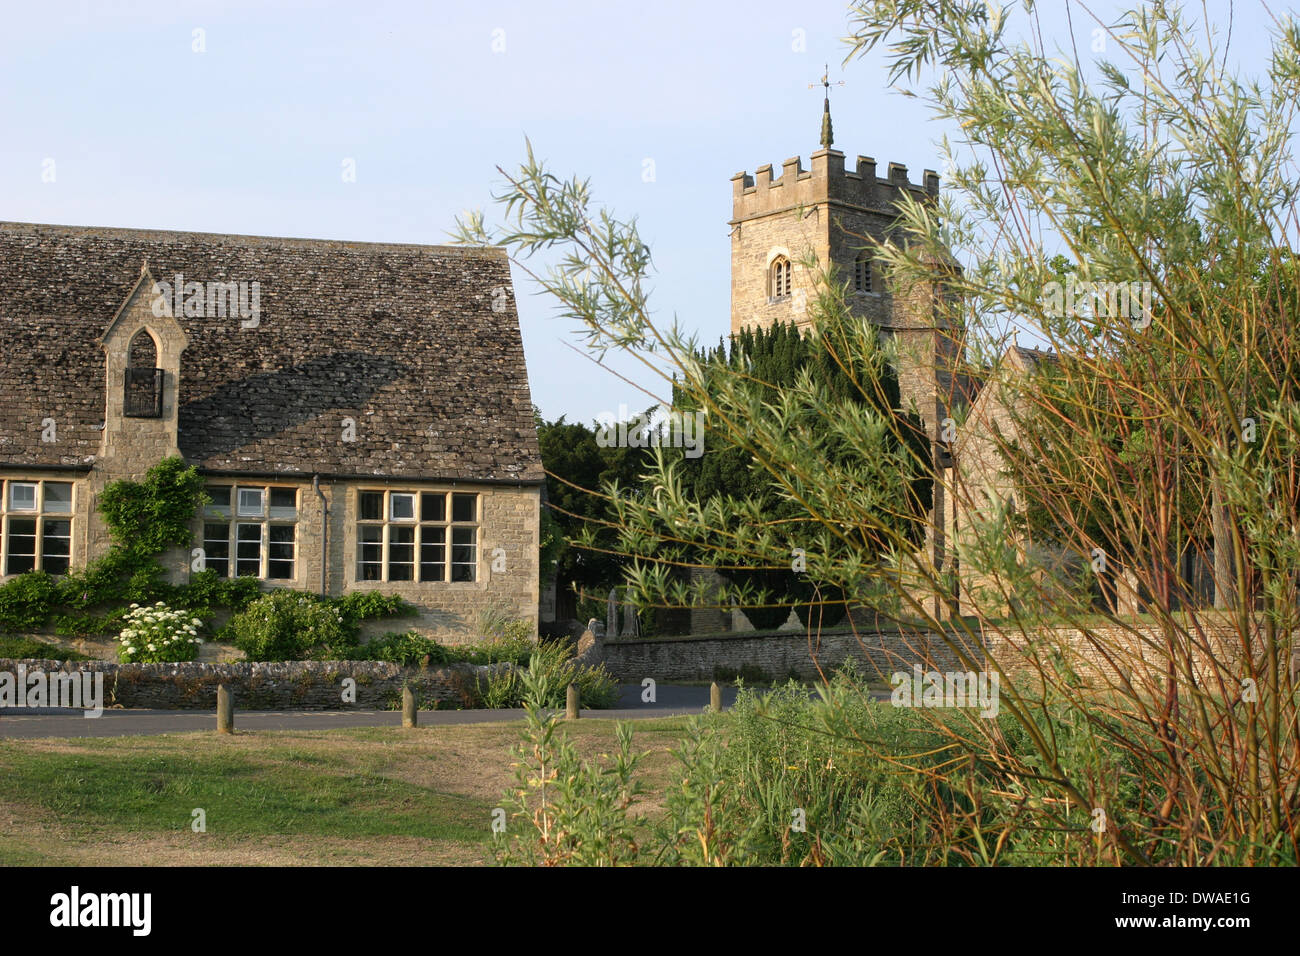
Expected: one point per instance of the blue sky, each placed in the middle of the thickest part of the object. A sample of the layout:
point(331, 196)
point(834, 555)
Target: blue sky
point(250, 136)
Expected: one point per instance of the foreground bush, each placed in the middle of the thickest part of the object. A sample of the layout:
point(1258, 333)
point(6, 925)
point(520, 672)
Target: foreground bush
point(792, 778)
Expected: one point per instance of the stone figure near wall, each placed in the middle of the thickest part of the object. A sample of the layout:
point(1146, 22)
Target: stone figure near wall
point(630, 623)
point(611, 614)
point(590, 645)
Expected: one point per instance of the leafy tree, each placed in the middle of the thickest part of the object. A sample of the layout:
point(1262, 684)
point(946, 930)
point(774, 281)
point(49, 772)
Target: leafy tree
point(577, 467)
point(771, 360)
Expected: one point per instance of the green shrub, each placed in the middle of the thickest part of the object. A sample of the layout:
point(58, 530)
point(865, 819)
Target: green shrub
point(101, 581)
point(287, 625)
point(158, 634)
point(81, 625)
point(25, 601)
point(568, 810)
point(785, 777)
point(514, 650)
point(24, 648)
point(409, 649)
point(597, 689)
point(360, 606)
point(206, 592)
point(785, 749)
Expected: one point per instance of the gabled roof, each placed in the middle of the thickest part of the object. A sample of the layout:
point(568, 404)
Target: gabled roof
point(985, 389)
point(403, 339)
point(1031, 359)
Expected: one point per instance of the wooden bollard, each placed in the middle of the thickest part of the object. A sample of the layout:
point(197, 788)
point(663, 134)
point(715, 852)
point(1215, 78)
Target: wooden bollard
point(408, 708)
point(715, 698)
point(571, 703)
point(225, 711)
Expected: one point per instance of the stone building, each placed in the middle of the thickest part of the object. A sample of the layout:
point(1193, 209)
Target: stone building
point(361, 411)
point(978, 475)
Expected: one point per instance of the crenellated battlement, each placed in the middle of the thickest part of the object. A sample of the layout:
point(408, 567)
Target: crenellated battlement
point(828, 180)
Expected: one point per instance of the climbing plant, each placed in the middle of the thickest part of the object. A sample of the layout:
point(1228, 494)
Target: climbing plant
point(144, 519)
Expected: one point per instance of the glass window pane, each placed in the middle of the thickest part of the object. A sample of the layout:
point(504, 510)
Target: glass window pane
point(279, 559)
point(464, 507)
point(371, 505)
point(433, 554)
point(248, 549)
point(370, 553)
point(22, 496)
point(464, 560)
point(401, 554)
point(401, 506)
point(250, 502)
point(58, 497)
point(56, 545)
point(216, 548)
point(22, 546)
point(220, 495)
point(284, 502)
point(433, 506)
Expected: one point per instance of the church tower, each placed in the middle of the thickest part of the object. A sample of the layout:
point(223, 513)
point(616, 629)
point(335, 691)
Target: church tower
point(828, 212)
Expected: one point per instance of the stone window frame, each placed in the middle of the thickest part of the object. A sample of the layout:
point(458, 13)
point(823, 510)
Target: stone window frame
point(142, 385)
point(443, 533)
point(780, 278)
point(267, 520)
point(41, 514)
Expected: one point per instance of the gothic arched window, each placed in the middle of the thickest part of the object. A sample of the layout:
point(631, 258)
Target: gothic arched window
point(779, 278)
point(142, 393)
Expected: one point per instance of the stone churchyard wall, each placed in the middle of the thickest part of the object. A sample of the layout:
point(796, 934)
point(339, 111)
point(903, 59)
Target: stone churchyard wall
point(880, 653)
point(292, 685)
point(772, 656)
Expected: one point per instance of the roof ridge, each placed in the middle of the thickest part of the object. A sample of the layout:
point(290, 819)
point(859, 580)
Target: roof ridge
point(37, 228)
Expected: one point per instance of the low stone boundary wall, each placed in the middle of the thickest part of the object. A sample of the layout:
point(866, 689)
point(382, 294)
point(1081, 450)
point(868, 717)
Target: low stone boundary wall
point(774, 656)
point(293, 685)
point(882, 652)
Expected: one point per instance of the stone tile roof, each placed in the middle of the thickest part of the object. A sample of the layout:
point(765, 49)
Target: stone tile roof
point(1032, 358)
point(401, 338)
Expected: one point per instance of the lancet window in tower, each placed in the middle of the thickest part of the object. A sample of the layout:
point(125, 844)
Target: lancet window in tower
point(779, 281)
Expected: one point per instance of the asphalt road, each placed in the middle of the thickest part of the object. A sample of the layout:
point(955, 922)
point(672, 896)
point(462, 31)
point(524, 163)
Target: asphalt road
point(670, 700)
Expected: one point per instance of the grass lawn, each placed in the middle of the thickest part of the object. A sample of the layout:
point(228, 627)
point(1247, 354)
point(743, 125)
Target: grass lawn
point(369, 795)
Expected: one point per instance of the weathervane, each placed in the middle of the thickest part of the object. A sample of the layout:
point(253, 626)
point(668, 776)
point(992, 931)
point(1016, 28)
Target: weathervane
point(828, 135)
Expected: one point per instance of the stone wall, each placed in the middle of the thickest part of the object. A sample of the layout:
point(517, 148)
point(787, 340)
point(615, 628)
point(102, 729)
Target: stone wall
point(879, 653)
point(773, 657)
point(293, 685)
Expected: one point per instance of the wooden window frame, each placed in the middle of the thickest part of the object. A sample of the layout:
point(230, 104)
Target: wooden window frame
point(227, 513)
point(40, 515)
point(389, 528)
